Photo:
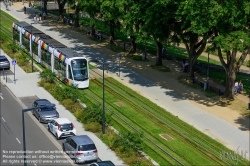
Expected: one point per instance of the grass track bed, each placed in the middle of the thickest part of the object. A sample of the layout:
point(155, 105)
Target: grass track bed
point(178, 147)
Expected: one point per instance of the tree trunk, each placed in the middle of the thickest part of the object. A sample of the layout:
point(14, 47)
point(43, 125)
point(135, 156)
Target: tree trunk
point(93, 30)
point(194, 50)
point(133, 45)
point(191, 63)
point(112, 32)
point(159, 54)
point(61, 8)
point(45, 6)
point(230, 80)
point(77, 16)
point(231, 68)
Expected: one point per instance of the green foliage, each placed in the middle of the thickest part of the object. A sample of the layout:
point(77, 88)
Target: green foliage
point(13, 47)
point(93, 114)
point(71, 93)
point(48, 76)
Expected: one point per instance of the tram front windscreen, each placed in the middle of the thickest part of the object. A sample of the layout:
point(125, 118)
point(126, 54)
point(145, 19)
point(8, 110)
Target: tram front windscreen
point(79, 69)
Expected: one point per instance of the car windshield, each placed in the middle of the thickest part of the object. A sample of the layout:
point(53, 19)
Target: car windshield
point(80, 70)
point(86, 147)
point(67, 126)
point(3, 59)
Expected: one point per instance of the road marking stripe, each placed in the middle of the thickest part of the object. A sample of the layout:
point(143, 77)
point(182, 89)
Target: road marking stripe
point(1, 97)
point(34, 164)
point(3, 119)
point(18, 141)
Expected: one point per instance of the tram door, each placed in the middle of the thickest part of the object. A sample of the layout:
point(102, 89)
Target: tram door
point(69, 74)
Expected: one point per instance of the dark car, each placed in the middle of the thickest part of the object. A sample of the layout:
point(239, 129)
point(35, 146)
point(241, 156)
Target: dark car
point(4, 62)
point(46, 114)
point(102, 163)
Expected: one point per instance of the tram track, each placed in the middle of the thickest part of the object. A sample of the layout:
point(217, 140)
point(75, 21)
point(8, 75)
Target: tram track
point(135, 129)
point(212, 154)
point(205, 153)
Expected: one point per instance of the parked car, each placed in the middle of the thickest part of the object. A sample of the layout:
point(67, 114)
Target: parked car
point(80, 148)
point(4, 62)
point(102, 163)
point(62, 127)
point(46, 114)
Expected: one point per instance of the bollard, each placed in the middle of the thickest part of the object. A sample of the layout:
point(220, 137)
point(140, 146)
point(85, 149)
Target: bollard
point(6, 76)
point(248, 106)
point(3, 73)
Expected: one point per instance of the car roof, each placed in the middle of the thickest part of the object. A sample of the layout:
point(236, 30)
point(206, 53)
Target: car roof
point(104, 163)
point(42, 101)
point(62, 120)
point(82, 139)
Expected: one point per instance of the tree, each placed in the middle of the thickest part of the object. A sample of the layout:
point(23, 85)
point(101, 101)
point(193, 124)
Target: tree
point(93, 9)
point(192, 29)
point(77, 10)
point(112, 11)
point(156, 21)
point(229, 23)
point(131, 23)
point(232, 36)
point(61, 5)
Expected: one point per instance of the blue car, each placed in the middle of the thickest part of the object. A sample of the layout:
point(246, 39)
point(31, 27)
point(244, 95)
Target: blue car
point(46, 114)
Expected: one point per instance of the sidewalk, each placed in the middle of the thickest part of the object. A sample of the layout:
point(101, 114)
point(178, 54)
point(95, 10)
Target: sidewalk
point(26, 86)
point(164, 89)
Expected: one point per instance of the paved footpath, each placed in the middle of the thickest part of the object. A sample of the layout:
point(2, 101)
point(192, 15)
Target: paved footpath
point(229, 135)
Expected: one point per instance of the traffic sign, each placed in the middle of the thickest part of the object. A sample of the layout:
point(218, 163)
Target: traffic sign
point(13, 62)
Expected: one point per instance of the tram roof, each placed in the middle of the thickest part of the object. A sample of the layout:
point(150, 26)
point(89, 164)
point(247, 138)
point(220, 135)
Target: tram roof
point(68, 52)
point(50, 41)
point(28, 27)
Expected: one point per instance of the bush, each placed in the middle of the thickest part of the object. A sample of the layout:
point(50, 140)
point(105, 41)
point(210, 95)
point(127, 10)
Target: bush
point(93, 127)
point(13, 47)
point(48, 76)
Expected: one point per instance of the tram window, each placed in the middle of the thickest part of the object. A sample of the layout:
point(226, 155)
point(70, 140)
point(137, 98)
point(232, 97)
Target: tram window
point(26, 42)
point(63, 69)
point(57, 64)
point(46, 57)
point(35, 48)
point(16, 35)
point(69, 72)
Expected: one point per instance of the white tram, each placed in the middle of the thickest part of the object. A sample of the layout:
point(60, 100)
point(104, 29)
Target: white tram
point(68, 65)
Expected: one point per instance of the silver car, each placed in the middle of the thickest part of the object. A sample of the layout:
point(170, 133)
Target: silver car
point(47, 114)
point(4, 62)
point(80, 148)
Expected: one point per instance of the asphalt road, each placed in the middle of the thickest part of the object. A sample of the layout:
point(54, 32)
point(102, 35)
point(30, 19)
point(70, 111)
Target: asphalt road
point(42, 149)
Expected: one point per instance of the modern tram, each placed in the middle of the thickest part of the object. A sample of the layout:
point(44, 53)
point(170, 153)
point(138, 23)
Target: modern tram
point(70, 67)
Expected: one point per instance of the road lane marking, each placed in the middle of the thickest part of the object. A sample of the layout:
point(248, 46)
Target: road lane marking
point(34, 164)
point(1, 96)
point(18, 141)
point(3, 119)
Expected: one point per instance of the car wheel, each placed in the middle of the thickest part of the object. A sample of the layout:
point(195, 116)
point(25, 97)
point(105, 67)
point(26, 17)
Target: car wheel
point(76, 161)
point(33, 113)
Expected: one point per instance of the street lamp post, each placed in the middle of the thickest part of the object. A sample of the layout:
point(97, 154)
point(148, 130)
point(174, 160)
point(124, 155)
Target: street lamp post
point(23, 125)
point(103, 101)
